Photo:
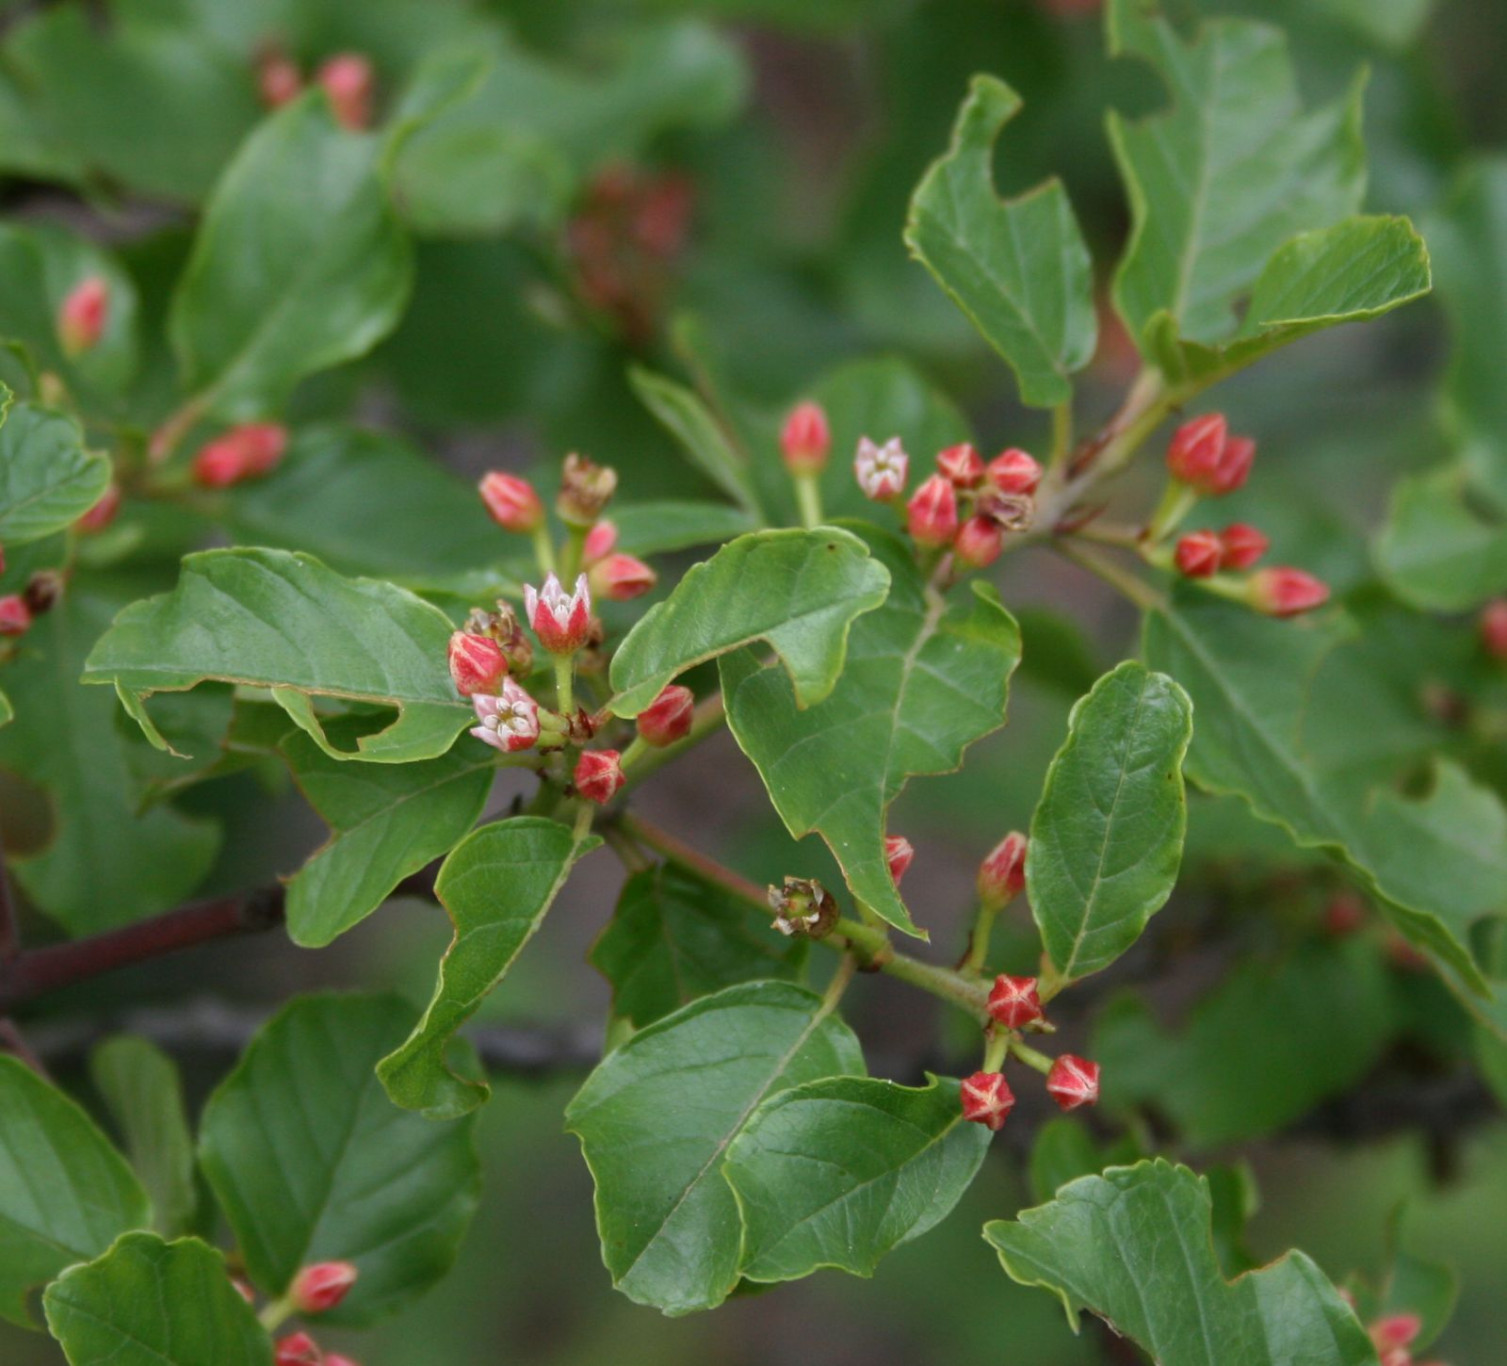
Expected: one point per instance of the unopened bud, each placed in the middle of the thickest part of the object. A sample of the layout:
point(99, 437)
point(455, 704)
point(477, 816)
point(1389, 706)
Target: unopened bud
point(101, 514)
point(805, 439)
point(599, 775)
point(1395, 1330)
point(1493, 627)
point(1002, 874)
point(1073, 1081)
point(1241, 546)
point(961, 465)
point(319, 1288)
point(512, 501)
point(600, 542)
point(297, 1349)
point(1198, 554)
point(585, 489)
point(881, 471)
point(349, 80)
point(83, 315)
point(561, 620)
point(668, 717)
point(621, 577)
point(278, 79)
point(43, 590)
point(932, 513)
point(503, 626)
point(1233, 467)
point(15, 615)
point(987, 1099)
point(1014, 471)
point(1286, 592)
point(477, 663)
point(803, 907)
point(979, 542)
point(898, 853)
point(509, 720)
point(1195, 448)
point(1013, 1001)
point(246, 452)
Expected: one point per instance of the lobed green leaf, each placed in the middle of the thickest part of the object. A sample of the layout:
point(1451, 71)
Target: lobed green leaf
point(47, 479)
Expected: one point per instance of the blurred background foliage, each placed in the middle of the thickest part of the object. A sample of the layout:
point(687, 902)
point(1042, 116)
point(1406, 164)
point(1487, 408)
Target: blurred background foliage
point(716, 189)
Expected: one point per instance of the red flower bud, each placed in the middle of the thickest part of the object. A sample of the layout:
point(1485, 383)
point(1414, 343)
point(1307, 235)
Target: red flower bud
point(1073, 1081)
point(246, 452)
point(979, 542)
point(319, 1288)
point(1286, 592)
point(668, 717)
point(987, 1099)
point(1242, 545)
point(1493, 626)
point(100, 515)
point(899, 852)
point(512, 501)
point(881, 471)
point(15, 615)
point(477, 663)
point(561, 620)
point(1195, 448)
point(1234, 466)
point(83, 314)
point(599, 775)
point(599, 543)
point(278, 80)
point(805, 439)
point(1013, 1001)
point(1197, 554)
point(961, 465)
point(349, 80)
point(1014, 471)
point(621, 577)
point(1002, 874)
point(932, 513)
point(1395, 1330)
point(297, 1349)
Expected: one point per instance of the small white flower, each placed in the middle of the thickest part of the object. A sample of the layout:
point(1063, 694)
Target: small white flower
point(508, 722)
point(881, 470)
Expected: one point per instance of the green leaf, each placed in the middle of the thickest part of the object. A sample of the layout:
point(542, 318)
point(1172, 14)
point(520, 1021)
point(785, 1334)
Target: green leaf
point(701, 437)
point(923, 681)
point(674, 938)
point(839, 1172)
point(655, 1120)
point(47, 479)
point(284, 621)
point(496, 886)
point(105, 861)
point(1437, 551)
point(656, 528)
point(40, 266)
point(366, 502)
point(65, 1193)
point(1296, 1032)
point(151, 1303)
point(1018, 268)
point(1107, 836)
point(386, 821)
point(1296, 719)
point(1356, 270)
point(141, 1085)
point(312, 1163)
point(1226, 174)
point(1134, 1247)
point(304, 204)
point(1064, 1150)
point(799, 591)
point(1468, 239)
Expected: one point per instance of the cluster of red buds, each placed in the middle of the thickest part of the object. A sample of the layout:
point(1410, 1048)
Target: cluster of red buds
point(1204, 460)
point(1015, 1004)
point(1393, 1336)
point(250, 451)
point(315, 1290)
point(624, 239)
point(83, 314)
point(348, 79)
